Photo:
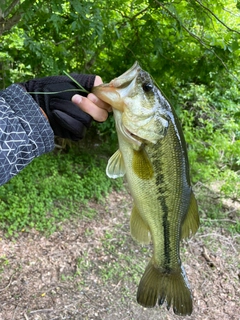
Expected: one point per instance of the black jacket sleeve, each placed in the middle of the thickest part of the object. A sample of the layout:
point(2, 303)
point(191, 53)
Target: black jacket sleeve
point(24, 131)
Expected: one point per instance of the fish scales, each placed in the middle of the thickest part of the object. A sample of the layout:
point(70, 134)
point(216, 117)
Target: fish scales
point(152, 154)
point(165, 221)
point(171, 191)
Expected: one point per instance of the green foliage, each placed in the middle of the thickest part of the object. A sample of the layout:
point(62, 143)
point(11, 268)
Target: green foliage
point(216, 210)
point(3, 263)
point(51, 189)
point(192, 50)
point(212, 131)
point(182, 40)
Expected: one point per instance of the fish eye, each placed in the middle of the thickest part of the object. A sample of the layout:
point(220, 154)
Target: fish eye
point(147, 87)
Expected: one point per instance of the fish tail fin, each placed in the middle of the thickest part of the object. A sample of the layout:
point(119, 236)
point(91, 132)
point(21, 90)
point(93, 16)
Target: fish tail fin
point(171, 287)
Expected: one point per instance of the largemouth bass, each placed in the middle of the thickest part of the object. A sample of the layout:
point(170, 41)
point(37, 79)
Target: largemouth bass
point(153, 156)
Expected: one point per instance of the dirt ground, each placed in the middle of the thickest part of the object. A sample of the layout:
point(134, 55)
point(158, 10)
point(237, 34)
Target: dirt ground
point(90, 269)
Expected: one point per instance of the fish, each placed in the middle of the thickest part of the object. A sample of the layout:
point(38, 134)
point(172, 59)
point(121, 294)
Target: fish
point(152, 155)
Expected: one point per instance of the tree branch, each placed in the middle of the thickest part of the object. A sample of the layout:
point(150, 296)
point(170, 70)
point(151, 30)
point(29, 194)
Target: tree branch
point(216, 17)
point(197, 38)
point(8, 24)
point(88, 64)
point(10, 7)
point(138, 13)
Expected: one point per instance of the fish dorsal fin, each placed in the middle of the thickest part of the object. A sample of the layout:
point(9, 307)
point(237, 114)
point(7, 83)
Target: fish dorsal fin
point(115, 167)
point(139, 229)
point(191, 221)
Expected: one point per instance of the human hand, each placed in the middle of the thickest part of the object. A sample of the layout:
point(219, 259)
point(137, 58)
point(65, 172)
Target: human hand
point(93, 105)
point(53, 94)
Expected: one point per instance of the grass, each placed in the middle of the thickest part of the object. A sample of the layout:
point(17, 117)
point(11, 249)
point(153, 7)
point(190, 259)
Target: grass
point(3, 263)
point(216, 210)
point(58, 185)
point(120, 265)
point(102, 265)
point(52, 188)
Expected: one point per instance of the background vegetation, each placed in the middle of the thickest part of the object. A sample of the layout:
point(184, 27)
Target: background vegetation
point(192, 50)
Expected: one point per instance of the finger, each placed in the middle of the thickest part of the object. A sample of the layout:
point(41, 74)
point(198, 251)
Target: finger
point(97, 81)
point(101, 104)
point(72, 110)
point(91, 108)
point(95, 99)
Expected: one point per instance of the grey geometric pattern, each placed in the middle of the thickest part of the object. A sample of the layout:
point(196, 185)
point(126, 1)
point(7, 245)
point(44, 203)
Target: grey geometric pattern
point(24, 131)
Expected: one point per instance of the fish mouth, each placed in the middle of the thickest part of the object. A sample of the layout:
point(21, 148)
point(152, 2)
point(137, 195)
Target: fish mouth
point(127, 77)
point(114, 91)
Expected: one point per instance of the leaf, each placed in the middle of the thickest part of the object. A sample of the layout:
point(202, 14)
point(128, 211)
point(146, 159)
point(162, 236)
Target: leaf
point(78, 84)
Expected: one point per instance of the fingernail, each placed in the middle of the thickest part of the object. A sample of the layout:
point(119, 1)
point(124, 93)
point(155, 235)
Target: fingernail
point(77, 99)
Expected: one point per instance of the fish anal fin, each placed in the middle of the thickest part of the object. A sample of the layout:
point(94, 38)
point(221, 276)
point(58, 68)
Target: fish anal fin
point(139, 229)
point(115, 167)
point(142, 165)
point(172, 287)
point(191, 221)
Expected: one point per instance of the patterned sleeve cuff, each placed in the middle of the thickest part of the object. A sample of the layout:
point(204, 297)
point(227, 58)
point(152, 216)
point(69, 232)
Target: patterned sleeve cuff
point(32, 120)
point(24, 131)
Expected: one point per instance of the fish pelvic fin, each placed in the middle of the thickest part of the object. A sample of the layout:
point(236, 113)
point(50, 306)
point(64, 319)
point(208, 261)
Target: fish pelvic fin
point(139, 229)
point(191, 221)
point(115, 167)
point(172, 287)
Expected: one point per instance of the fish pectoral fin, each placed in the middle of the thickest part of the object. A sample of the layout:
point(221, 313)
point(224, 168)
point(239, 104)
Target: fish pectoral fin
point(172, 287)
point(139, 229)
point(141, 164)
point(191, 221)
point(115, 167)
